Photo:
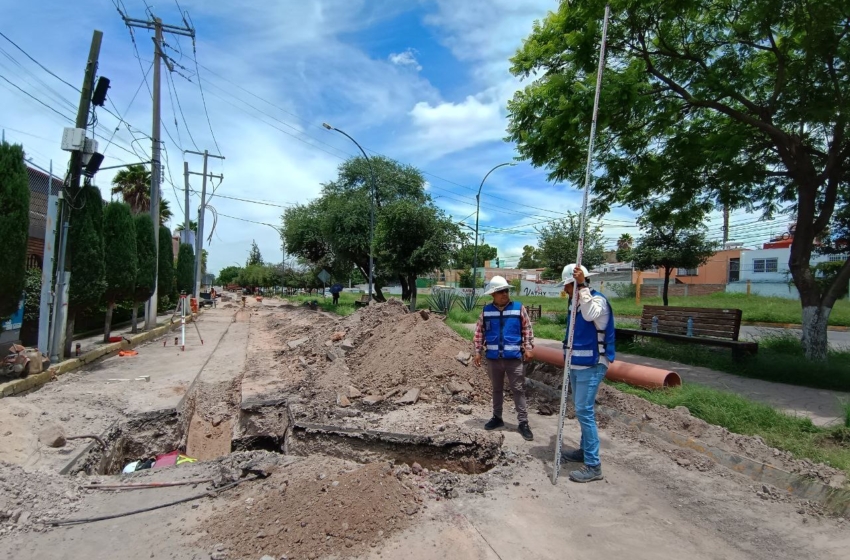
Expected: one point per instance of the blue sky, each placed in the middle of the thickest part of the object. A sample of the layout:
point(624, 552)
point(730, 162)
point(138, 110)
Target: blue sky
point(424, 82)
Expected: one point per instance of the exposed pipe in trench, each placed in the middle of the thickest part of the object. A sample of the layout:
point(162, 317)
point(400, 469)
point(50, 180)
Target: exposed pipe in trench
point(633, 374)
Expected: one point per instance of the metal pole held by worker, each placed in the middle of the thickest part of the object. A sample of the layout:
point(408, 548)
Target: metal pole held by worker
point(556, 469)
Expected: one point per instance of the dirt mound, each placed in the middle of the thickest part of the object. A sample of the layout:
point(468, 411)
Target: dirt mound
point(316, 508)
point(29, 499)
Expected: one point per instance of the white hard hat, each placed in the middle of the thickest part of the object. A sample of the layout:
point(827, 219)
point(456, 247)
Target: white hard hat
point(497, 284)
point(567, 274)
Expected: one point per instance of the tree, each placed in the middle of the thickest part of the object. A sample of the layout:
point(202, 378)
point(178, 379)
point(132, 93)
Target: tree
point(14, 226)
point(119, 258)
point(530, 257)
point(254, 257)
point(415, 239)
point(334, 229)
point(624, 247)
point(558, 241)
point(146, 263)
point(228, 275)
point(185, 272)
point(165, 269)
point(703, 103)
point(134, 186)
point(84, 255)
point(465, 255)
point(193, 226)
point(668, 247)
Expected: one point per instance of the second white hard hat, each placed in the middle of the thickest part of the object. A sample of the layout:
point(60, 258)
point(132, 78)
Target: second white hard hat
point(569, 270)
point(497, 284)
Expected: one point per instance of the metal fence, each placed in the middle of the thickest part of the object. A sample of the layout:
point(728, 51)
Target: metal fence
point(41, 185)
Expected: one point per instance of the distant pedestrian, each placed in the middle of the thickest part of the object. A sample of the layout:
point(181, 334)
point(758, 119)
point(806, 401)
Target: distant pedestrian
point(505, 336)
point(335, 291)
point(593, 352)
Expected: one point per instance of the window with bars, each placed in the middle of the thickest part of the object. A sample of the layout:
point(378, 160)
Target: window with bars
point(765, 265)
point(837, 258)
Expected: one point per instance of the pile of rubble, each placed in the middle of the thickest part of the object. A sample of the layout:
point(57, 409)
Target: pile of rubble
point(28, 500)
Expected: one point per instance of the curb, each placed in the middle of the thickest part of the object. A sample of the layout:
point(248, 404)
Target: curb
point(37, 380)
point(836, 500)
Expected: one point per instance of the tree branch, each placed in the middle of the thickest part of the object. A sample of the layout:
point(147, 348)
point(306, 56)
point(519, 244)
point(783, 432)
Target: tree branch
point(838, 285)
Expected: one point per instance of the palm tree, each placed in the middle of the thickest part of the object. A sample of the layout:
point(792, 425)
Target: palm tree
point(134, 186)
point(624, 247)
point(193, 225)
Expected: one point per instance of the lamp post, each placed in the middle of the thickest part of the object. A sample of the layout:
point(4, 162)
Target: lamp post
point(371, 205)
point(477, 208)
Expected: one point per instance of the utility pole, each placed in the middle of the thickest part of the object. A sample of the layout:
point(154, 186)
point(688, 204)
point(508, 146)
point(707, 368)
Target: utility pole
point(725, 224)
point(60, 306)
point(155, 24)
point(199, 235)
point(186, 219)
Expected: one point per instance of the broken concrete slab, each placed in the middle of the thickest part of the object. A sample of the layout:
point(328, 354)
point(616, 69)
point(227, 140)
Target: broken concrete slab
point(335, 353)
point(354, 393)
point(372, 399)
point(455, 387)
point(293, 344)
point(464, 358)
point(410, 397)
point(343, 401)
point(347, 345)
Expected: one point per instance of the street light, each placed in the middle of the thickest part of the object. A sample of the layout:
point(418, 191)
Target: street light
point(371, 205)
point(477, 207)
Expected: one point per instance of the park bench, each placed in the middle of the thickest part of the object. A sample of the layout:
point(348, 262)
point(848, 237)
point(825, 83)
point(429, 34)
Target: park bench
point(710, 327)
point(363, 301)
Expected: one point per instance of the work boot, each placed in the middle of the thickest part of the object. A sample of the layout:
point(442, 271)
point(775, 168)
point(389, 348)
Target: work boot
point(495, 422)
point(574, 456)
point(525, 431)
point(587, 474)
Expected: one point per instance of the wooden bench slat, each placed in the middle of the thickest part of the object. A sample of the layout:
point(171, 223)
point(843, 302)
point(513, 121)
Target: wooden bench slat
point(707, 310)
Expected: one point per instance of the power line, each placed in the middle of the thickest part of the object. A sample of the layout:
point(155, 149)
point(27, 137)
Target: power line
point(39, 64)
point(31, 96)
point(203, 98)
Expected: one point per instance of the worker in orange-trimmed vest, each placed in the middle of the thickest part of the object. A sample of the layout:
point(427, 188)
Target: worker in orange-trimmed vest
point(505, 336)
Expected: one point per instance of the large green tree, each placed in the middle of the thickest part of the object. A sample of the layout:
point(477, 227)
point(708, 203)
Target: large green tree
point(228, 275)
point(558, 242)
point(254, 255)
point(185, 272)
point(669, 248)
point(166, 287)
point(84, 255)
point(624, 247)
point(14, 226)
point(464, 255)
point(530, 257)
point(119, 258)
point(134, 186)
point(146, 263)
point(415, 239)
point(704, 103)
point(334, 229)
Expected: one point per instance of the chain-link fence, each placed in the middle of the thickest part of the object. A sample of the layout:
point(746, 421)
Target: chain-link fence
point(41, 185)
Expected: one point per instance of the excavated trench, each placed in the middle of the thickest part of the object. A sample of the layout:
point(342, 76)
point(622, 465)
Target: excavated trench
point(271, 428)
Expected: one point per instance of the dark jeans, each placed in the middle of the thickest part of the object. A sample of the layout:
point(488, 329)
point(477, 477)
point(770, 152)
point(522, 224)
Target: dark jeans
point(336, 298)
point(515, 372)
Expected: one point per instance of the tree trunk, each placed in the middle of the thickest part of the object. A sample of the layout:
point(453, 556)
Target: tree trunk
point(379, 295)
point(815, 338)
point(405, 288)
point(667, 272)
point(411, 281)
point(134, 320)
point(107, 325)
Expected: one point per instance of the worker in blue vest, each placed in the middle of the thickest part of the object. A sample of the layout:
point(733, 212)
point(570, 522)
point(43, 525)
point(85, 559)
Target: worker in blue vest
point(505, 336)
point(593, 352)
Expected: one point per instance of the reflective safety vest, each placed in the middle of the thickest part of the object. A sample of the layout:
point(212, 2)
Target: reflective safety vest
point(586, 344)
point(503, 331)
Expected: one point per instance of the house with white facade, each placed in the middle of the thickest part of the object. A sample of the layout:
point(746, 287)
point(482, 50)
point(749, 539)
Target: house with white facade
point(767, 273)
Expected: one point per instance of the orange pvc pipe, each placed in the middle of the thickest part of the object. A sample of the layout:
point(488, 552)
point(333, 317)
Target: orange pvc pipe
point(633, 374)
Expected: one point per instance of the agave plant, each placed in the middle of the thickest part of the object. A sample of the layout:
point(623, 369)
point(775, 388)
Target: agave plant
point(442, 301)
point(469, 302)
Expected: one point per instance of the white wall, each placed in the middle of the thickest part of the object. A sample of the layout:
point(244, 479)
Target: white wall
point(781, 256)
point(767, 289)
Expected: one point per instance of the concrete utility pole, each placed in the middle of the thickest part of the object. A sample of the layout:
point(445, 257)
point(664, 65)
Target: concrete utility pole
point(187, 222)
point(155, 24)
point(60, 306)
point(199, 235)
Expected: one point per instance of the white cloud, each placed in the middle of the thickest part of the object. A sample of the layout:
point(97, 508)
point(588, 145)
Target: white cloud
point(405, 58)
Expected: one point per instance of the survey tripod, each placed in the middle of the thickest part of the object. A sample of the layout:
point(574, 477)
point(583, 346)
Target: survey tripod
point(183, 310)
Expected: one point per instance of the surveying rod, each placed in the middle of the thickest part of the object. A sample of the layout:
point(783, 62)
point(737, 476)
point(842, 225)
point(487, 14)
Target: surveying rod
point(556, 470)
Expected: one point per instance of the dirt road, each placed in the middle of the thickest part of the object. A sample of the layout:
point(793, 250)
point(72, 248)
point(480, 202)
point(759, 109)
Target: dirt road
point(344, 499)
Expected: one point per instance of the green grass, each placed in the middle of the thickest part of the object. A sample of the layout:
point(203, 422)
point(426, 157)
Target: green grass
point(780, 359)
point(742, 416)
point(754, 308)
